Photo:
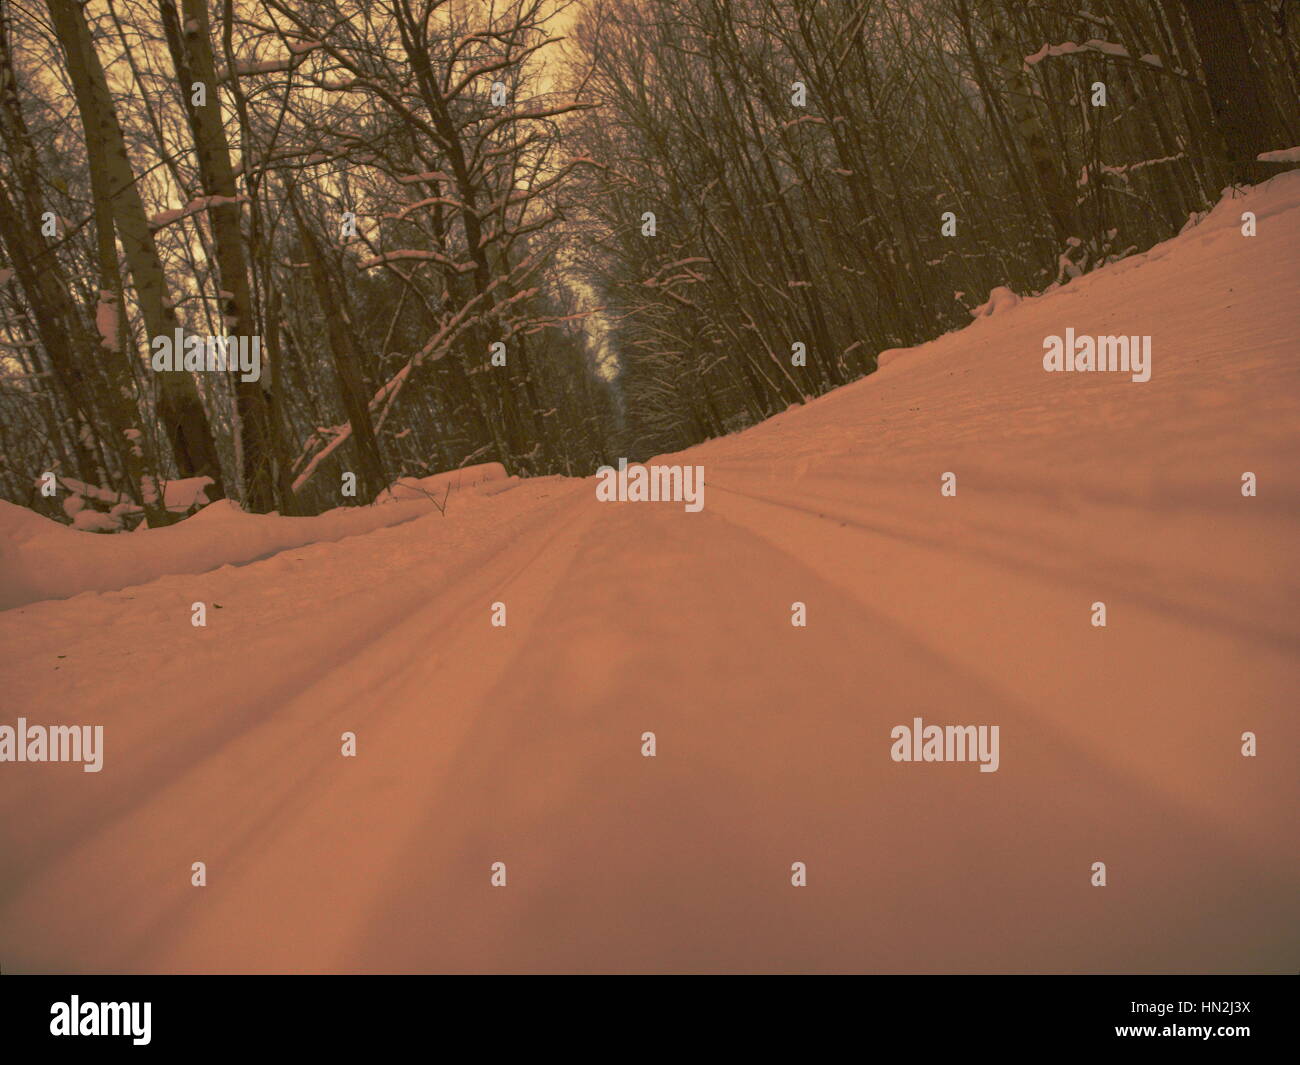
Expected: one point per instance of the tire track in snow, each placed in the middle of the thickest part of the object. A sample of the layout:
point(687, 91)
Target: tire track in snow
point(1157, 678)
point(989, 543)
point(774, 746)
point(230, 778)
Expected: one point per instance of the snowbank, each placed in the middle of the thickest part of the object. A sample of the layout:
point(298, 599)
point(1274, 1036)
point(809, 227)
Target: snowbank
point(1282, 155)
point(42, 559)
point(1001, 299)
point(1268, 198)
point(440, 484)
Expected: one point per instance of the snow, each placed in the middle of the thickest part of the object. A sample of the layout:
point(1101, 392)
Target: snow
point(1125, 169)
point(106, 321)
point(427, 202)
point(428, 175)
point(1102, 47)
point(265, 66)
point(297, 50)
point(201, 203)
point(415, 255)
point(186, 493)
point(522, 744)
point(95, 521)
point(42, 559)
point(1001, 299)
point(440, 484)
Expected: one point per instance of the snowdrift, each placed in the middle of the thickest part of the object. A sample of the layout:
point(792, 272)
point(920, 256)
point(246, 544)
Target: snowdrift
point(1266, 199)
point(42, 559)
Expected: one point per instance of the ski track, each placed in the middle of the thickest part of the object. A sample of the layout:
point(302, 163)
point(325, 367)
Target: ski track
point(522, 744)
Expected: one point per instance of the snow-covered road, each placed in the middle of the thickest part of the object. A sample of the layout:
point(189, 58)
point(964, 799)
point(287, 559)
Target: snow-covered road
point(478, 744)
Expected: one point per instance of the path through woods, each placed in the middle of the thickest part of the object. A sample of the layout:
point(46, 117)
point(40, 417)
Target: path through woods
point(522, 745)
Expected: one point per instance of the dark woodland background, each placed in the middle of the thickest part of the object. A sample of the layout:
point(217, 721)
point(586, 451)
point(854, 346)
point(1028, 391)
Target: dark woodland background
point(132, 204)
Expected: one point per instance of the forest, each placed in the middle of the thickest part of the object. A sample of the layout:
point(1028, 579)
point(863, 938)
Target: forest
point(551, 233)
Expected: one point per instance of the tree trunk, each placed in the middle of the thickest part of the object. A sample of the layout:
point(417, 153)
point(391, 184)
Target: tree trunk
point(114, 354)
point(179, 407)
point(191, 50)
point(370, 465)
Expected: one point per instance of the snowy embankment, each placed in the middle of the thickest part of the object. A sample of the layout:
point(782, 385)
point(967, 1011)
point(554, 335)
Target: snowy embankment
point(42, 559)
